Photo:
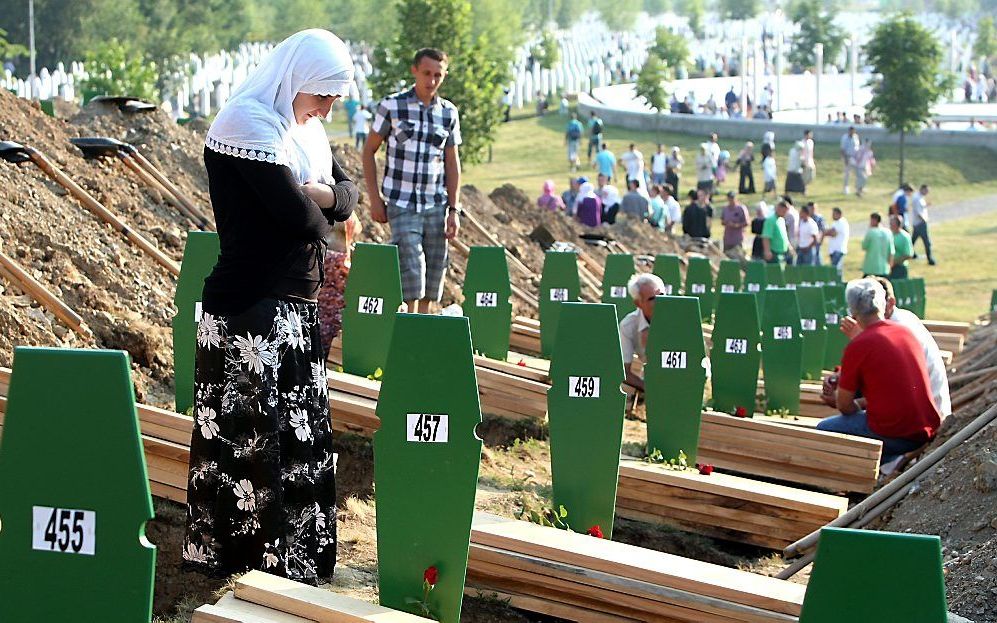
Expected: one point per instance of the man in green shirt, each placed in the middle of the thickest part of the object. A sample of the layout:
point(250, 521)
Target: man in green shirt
point(775, 240)
point(878, 247)
point(903, 248)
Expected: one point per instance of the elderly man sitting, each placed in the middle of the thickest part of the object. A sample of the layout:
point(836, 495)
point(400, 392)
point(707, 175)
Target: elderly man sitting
point(886, 363)
point(643, 288)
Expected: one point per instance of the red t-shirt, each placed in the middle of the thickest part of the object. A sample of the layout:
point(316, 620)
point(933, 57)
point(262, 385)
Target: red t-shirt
point(886, 363)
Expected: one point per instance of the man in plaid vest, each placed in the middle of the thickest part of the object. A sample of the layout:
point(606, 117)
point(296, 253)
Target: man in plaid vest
point(418, 195)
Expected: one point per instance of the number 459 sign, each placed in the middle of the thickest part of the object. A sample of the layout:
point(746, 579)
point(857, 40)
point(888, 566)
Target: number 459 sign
point(63, 530)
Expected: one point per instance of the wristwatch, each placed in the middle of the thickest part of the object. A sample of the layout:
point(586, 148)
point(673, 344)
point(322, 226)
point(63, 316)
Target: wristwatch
point(452, 208)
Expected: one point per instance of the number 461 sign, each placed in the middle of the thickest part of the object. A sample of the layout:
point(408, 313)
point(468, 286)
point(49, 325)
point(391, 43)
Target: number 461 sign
point(63, 530)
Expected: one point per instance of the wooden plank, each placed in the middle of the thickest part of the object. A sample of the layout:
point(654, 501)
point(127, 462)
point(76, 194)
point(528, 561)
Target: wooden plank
point(353, 384)
point(844, 444)
point(640, 564)
point(580, 596)
point(782, 450)
point(946, 326)
point(545, 606)
point(316, 604)
point(610, 587)
point(739, 488)
point(758, 467)
point(232, 610)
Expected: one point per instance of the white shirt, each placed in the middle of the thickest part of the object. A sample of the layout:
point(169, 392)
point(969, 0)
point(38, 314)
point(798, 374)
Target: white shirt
point(361, 121)
point(808, 233)
point(850, 144)
point(633, 336)
point(807, 155)
point(932, 355)
point(919, 207)
point(658, 162)
point(838, 243)
point(768, 168)
point(792, 219)
point(714, 150)
point(633, 162)
point(673, 210)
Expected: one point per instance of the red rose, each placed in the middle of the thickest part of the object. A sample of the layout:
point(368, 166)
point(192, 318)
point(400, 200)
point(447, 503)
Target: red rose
point(705, 469)
point(595, 531)
point(521, 363)
point(431, 575)
point(740, 412)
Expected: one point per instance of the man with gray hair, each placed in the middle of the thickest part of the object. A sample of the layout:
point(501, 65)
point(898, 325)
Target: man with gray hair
point(885, 362)
point(643, 289)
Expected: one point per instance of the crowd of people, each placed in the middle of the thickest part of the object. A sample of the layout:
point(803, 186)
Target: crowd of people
point(783, 231)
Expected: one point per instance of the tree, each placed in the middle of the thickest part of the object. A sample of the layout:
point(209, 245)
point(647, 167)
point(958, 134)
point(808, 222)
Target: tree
point(986, 39)
point(618, 14)
point(656, 7)
point(693, 11)
point(906, 58)
point(476, 73)
point(10, 51)
point(651, 83)
point(738, 9)
point(816, 26)
point(547, 52)
point(670, 47)
point(117, 68)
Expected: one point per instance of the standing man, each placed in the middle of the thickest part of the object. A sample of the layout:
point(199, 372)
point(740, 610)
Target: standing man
point(595, 134)
point(698, 216)
point(878, 247)
point(659, 163)
point(919, 219)
point(573, 139)
point(807, 158)
point(361, 126)
point(821, 227)
point(903, 249)
point(775, 241)
point(809, 236)
point(605, 163)
point(713, 148)
point(735, 221)
point(419, 196)
point(633, 163)
point(351, 105)
point(837, 246)
point(849, 150)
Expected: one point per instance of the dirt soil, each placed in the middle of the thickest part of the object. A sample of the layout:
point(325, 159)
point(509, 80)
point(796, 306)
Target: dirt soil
point(957, 500)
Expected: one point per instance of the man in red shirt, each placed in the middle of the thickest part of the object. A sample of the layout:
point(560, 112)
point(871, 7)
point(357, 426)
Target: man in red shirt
point(886, 363)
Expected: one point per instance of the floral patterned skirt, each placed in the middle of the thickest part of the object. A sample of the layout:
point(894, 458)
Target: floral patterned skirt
point(261, 492)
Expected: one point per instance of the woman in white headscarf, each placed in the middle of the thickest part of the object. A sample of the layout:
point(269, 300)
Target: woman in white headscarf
point(261, 490)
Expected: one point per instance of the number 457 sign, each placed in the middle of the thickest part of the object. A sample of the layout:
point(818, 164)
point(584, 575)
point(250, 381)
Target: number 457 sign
point(63, 530)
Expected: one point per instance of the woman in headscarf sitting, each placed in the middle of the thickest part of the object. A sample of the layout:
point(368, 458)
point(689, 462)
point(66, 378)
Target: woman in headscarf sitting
point(588, 210)
point(261, 492)
point(549, 200)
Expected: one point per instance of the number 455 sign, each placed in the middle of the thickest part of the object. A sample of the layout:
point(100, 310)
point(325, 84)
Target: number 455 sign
point(63, 530)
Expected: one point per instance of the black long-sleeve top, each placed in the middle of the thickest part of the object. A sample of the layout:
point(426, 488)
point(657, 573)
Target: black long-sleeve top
point(271, 233)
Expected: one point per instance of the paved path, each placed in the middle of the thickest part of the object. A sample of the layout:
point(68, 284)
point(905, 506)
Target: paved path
point(941, 214)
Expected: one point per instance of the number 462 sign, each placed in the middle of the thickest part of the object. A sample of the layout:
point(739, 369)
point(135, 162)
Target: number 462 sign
point(63, 530)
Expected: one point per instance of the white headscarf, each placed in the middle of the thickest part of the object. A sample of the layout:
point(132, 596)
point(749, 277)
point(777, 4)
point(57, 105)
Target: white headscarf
point(258, 121)
point(586, 190)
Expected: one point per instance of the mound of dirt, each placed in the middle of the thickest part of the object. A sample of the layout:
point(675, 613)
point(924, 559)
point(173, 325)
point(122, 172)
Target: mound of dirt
point(957, 500)
point(122, 294)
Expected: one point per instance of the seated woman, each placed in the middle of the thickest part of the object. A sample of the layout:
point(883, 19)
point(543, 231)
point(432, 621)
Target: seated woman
point(886, 363)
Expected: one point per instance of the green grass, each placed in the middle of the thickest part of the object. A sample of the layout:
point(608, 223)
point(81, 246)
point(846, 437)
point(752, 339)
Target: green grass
point(528, 151)
point(959, 287)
